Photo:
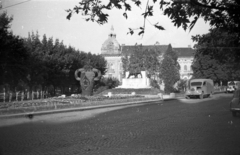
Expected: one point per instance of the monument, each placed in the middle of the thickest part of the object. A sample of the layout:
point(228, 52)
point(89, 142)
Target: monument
point(136, 82)
point(87, 78)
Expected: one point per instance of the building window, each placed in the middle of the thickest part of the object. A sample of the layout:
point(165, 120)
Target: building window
point(185, 67)
point(110, 68)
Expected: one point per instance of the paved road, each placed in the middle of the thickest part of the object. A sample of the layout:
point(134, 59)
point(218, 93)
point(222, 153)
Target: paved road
point(187, 127)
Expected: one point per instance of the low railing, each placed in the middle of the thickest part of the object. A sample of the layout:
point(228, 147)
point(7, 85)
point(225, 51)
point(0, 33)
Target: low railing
point(20, 96)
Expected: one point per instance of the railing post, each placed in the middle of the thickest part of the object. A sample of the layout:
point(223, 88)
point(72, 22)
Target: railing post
point(16, 96)
point(28, 95)
point(37, 94)
point(32, 95)
point(22, 96)
point(41, 94)
point(10, 97)
point(3, 95)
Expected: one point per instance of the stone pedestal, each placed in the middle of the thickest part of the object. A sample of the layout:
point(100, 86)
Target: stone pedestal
point(136, 83)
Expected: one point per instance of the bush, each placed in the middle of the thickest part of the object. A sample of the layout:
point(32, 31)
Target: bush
point(100, 89)
point(146, 91)
point(154, 84)
point(108, 82)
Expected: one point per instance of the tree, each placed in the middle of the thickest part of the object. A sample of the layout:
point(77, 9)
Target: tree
point(217, 56)
point(169, 69)
point(219, 13)
point(142, 59)
point(14, 59)
point(53, 64)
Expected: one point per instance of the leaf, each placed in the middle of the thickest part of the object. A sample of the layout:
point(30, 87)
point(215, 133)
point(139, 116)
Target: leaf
point(125, 15)
point(137, 2)
point(69, 16)
point(127, 7)
point(130, 31)
point(159, 27)
point(141, 32)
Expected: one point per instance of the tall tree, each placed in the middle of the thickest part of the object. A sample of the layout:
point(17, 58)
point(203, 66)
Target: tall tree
point(14, 59)
point(169, 69)
point(217, 56)
point(142, 60)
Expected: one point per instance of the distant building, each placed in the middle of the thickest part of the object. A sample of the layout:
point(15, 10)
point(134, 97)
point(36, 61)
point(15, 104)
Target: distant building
point(185, 59)
point(112, 51)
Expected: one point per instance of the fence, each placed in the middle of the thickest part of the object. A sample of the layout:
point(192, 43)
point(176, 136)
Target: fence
point(20, 96)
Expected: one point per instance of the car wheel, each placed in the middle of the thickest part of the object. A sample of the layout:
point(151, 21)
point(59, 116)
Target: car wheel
point(234, 113)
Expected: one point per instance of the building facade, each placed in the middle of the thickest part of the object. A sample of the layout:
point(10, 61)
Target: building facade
point(112, 51)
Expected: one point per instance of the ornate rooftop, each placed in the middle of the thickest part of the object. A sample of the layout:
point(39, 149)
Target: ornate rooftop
point(111, 45)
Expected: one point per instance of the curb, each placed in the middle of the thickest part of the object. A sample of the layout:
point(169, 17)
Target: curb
point(39, 113)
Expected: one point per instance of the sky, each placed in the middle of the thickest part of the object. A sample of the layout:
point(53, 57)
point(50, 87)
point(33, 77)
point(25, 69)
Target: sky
point(49, 17)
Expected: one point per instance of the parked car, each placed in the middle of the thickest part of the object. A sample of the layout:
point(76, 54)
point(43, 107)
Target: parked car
point(231, 86)
point(200, 88)
point(235, 103)
point(230, 89)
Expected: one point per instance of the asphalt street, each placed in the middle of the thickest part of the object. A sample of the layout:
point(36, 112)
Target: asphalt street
point(176, 127)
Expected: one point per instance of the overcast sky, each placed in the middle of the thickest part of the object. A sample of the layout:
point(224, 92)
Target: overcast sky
point(49, 17)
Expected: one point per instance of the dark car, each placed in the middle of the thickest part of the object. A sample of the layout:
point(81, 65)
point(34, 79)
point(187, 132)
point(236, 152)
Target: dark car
point(235, 103)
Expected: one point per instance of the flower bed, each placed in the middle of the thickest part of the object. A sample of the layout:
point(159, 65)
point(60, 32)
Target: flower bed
point(146, 91)
point(63, 103)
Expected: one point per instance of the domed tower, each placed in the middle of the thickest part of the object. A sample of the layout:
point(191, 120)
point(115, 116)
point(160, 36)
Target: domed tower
point(111, 51)
point(111, 45)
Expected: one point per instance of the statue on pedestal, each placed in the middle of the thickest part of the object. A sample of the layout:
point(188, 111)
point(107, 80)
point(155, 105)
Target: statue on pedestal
point(87, 78)
point(134, 70)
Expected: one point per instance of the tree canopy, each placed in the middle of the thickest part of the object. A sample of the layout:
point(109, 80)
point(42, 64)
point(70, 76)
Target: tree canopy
point(40, 61)
point(13, 56)
point(169, 69)
point(217, 56)
point(222, 14)
point(142, 60)
point(54, 64)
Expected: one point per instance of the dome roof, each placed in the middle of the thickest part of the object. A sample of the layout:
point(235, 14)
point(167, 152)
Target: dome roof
point(111, 45)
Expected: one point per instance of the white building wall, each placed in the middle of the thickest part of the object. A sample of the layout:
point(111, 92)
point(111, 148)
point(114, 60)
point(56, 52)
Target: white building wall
point(185, 67)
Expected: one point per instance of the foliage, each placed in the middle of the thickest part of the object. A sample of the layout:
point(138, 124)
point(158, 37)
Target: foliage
point(217, 56)
point(42, 63)
point(154, 83)
point(219, 13)
point(144, 91)
point(13, 56)
point(109, 82)
point(142, 60)
point(169, 69)
point(54, 63)
point(125, 64)
point(182, 85)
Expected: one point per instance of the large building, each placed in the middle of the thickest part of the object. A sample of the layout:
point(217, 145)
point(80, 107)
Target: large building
point(112, 51)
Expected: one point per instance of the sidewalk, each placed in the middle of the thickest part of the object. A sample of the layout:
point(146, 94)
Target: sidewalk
point(31, 114)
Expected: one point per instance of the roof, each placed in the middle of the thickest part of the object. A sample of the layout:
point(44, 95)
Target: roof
point(184, 51)
point(128, 49)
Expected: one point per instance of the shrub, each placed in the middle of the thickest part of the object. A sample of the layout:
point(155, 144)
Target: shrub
point(100, 89)
point(154, 84)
